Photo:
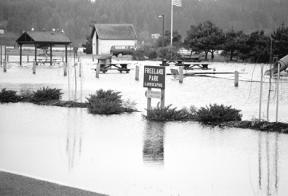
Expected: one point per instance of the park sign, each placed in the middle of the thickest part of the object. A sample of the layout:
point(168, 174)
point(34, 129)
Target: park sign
point(154, 77)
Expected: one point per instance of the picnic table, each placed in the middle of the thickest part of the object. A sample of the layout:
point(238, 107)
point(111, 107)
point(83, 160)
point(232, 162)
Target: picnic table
point(119, 67)
point(44, 61)
point(196, 66)
point(106, 64)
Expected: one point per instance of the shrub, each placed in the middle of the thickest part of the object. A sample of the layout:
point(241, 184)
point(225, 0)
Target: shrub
point(7, 96)
point(214, 114)
point(169, 114)
point(46, 94)
point(105, 102)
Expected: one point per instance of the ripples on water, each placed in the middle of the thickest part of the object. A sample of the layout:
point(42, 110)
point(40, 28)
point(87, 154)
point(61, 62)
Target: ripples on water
point(126, 155)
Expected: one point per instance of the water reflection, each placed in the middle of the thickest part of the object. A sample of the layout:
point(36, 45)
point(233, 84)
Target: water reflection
point(73, 137)
point(153, 148)
point(268, 156)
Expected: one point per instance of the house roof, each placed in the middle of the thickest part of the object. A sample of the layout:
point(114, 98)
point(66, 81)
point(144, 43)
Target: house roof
point(8, 39)
point(114, 31)
point(43, 37)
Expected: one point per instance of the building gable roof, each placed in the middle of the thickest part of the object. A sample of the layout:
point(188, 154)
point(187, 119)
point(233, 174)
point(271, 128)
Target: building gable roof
point(43, 37)
point(115, 31)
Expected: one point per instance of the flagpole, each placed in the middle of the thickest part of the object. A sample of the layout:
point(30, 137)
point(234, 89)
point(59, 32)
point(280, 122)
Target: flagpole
point(171, 32)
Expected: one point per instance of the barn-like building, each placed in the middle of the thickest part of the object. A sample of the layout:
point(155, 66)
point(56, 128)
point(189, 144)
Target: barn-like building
point(104, 36)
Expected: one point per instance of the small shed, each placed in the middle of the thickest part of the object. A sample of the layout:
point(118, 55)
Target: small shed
point(42, 39)
point(104, 36)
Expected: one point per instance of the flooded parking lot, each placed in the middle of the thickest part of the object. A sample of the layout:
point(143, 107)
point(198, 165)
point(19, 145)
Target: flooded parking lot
point(127, 155)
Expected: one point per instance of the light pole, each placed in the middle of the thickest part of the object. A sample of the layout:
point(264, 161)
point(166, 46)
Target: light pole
point(163, 24)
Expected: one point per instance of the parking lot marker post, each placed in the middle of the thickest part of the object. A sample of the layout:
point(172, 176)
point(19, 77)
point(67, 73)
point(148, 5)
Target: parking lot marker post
point(236, 78)
point(34, 68)
point(137, 73)
point(5, 60)
point(97, 70)
point(181, 74)
point(65, 68)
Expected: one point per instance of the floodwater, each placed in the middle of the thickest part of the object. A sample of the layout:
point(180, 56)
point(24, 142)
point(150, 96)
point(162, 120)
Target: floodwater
point(126, 155)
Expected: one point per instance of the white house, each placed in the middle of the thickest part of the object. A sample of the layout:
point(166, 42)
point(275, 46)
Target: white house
point(104, 36)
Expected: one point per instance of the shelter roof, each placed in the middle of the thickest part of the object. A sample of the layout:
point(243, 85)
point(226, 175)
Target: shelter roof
point(43, 37)
point(114, 31)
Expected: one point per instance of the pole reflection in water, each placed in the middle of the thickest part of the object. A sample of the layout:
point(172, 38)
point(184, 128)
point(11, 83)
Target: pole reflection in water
point(153, 148)
point(268, 176)
point(74, 137)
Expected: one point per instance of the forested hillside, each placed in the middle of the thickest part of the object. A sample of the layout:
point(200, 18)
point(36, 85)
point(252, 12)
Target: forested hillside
point(74, 16)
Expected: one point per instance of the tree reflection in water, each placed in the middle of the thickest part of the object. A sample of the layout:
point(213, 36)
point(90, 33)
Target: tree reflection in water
point(268, 156)
point(74, 137)
point(153, 148)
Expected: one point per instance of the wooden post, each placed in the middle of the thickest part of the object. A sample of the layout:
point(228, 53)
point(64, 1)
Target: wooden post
point(34, 67)
point(97, 70)
point(148, 100)
point(69, 86)
point(277, 98)
point(162, 98)
point(66, 61)
point(5, 61)
point(20, 54)
point(80, 69)
point(261, 92)
point(51, 54)
point(181, 74)
point(35, 57)
point(75, 81)
point(236, 78)
point(137, 73)
point(1, 62)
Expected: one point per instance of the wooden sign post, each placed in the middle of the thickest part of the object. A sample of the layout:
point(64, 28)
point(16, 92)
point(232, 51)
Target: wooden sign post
point(154, 77)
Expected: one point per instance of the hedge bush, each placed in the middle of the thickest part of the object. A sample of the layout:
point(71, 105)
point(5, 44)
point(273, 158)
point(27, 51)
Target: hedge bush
point(7, 96)
point(46, 94)
point(105, 102)
point(170, 114)
point(214, 114)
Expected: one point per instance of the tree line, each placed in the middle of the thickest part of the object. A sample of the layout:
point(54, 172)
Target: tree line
point(75, 16)
point(207, 38)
